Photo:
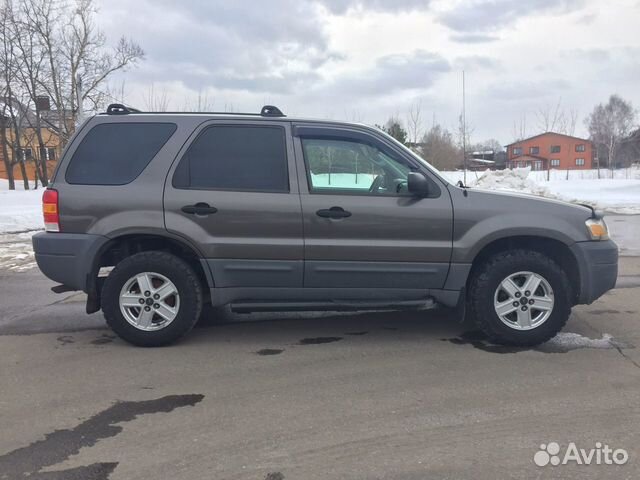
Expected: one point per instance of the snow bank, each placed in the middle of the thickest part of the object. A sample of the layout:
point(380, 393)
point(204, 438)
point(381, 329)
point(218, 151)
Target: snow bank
point(20, 210)
point(618, 193)
point(511, 180)
point(613, 196)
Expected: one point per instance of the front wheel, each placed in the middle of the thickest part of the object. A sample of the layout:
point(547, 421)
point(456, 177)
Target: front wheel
point(152, 299)
point(520, 297)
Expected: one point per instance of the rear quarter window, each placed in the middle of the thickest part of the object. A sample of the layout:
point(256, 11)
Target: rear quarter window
point(116, 153)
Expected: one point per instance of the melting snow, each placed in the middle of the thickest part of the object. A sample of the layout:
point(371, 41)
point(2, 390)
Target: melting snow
point(564, 342)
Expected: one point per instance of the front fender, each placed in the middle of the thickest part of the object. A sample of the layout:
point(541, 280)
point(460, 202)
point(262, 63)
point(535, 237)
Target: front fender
point(473, 240)
point(484, 217)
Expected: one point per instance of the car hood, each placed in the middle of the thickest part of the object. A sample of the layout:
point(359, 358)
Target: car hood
point(535, 201)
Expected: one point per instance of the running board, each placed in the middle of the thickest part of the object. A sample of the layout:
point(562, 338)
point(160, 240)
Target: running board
point(335, 306)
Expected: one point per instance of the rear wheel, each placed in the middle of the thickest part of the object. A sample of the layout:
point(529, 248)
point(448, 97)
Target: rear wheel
point(520, 297)
point(152, 299)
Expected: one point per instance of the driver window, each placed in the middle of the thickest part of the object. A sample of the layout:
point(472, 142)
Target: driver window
point(345, 166)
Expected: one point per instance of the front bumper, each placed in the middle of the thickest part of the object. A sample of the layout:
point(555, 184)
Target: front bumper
point(598, 268)
point(67, 258)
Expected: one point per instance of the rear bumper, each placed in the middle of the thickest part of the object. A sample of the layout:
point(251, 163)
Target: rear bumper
point(598, 267)
point(67, 258)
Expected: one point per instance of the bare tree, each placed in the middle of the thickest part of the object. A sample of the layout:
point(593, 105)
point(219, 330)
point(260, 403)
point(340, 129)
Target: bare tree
point(31, 69)
point(609, 124)
point(551, 118)
point(202, 103)
point(414, 121)
point(11, 117)
point(555, 118)
point(75, 50)
point(572, 121)
point(520, 128)
point(156, 101)
point(464, 132)
point(51, 47)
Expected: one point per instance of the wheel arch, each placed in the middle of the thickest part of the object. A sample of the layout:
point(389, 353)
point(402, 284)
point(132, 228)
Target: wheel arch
point(553, 248)
point(127, 244)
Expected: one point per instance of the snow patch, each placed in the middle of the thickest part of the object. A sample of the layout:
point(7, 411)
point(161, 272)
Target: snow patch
point(16, 252)
point(20, 210)
point(572, 341)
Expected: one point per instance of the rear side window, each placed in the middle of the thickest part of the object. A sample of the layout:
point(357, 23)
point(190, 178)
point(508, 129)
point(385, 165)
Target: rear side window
point(116, 153)
point(236, 158)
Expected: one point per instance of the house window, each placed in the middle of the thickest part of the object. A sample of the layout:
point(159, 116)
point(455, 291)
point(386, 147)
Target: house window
point(25, 154)
point(47, 153)
point(517, 151)
point(555, 148)
point(580, 162)
point(537, 165)
point(534, 150)
point(580, 147)
point(555, 162)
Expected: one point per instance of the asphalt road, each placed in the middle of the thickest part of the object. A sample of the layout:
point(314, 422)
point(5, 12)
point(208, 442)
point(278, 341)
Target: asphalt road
point(364, 396)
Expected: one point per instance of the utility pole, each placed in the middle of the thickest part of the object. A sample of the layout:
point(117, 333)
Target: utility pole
point(80, 115)
point(464, 133)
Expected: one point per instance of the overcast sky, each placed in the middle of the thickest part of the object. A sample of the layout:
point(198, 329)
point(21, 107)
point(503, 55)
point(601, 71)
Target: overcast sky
point(369, 59)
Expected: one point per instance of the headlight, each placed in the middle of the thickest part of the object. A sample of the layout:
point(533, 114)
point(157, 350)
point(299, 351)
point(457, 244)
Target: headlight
point(597, 229)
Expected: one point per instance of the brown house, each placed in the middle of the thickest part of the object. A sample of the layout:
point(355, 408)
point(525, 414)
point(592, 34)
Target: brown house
point(30, 148)
point(551, 150)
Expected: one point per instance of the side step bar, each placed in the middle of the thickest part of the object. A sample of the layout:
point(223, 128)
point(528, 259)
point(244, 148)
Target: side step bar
point(335, 306)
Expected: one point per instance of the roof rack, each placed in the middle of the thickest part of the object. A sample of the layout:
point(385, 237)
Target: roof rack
point(119, 109)
point(266, 111)
point(271, 111)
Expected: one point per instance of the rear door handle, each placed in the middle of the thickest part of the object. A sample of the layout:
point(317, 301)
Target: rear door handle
point(333, 212)
point(199, 208)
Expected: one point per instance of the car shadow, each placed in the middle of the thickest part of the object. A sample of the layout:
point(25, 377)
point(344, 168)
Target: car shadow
point(313, 328)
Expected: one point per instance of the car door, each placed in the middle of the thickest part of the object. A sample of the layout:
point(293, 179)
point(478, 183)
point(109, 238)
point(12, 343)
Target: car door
point(362, 227)
point(233, 193)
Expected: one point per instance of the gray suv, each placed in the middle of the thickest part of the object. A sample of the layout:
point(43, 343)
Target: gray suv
point(155, 215)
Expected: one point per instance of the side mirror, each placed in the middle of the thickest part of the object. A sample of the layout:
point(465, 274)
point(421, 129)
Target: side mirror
point(418, 184)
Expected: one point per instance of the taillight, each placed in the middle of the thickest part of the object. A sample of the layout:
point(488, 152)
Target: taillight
point(50, 210)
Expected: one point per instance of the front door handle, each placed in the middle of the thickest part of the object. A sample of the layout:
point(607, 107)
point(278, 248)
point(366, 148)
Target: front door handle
point(333, 212)
point(199, 208)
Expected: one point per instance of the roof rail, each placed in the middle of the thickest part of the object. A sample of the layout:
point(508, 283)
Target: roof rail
point(266, 111)
point(119, 109)
point(271, 111)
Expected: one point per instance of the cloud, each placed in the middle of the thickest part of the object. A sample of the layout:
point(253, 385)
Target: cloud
point(342, 6)
point(473, 38)
point(487, 16)
point(212, 43)
point(527, 89)
point(342, 59)
point(394, 73)
point(476, 62)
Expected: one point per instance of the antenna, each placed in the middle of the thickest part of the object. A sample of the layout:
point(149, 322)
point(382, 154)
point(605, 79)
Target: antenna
point(464, 133)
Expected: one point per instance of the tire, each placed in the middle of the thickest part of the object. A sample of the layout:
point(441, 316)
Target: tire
point(167, 319)
point(493, 285)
